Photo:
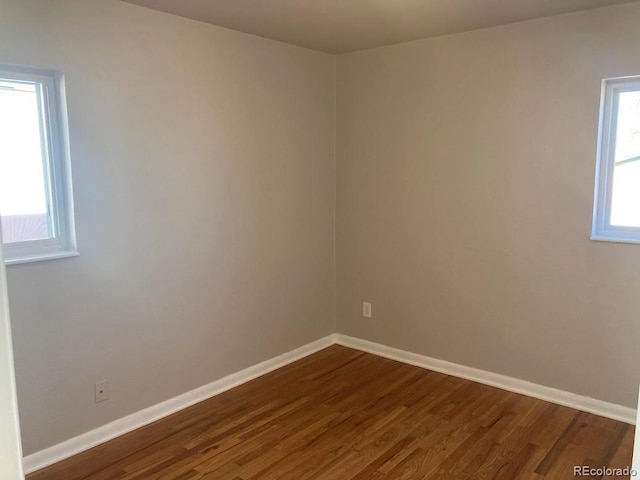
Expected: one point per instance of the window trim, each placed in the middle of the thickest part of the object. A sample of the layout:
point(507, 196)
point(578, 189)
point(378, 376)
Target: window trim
point(57, 169)
point(602, 230)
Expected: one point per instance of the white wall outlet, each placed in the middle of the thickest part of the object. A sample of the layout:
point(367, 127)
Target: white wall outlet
point(101, 391)
point(366, 309)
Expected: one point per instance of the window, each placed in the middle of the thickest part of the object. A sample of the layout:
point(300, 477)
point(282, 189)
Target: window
point(36, 208)
point(617, 199)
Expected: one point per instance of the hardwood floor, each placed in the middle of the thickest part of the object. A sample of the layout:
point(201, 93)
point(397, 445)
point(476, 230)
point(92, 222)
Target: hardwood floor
point(343, 414)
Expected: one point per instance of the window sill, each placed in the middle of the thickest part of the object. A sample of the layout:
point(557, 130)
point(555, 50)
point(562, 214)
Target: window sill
point(43, 257)
point(599, 238)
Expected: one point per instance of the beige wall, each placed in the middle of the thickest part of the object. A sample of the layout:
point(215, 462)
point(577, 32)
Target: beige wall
point(465, 173)
point(203, 164)
point(10, 447)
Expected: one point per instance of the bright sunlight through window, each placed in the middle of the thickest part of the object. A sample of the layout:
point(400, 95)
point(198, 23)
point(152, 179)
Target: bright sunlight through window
point(617, 209)
point(35, 198)
point(23, 197)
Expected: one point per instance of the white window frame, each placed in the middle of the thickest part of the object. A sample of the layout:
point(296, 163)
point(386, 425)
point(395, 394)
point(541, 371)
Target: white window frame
point(602, 229)
point(56, 156)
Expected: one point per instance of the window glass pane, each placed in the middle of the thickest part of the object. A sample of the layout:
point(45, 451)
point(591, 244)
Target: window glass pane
point(625, 201)
point(23, 187)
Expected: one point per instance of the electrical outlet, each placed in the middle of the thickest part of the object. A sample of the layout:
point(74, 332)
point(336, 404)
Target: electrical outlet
point(101, 391)
point(366, 309)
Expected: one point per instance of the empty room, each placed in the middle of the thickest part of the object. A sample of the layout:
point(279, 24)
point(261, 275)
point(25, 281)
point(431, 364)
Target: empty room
point(337, 239)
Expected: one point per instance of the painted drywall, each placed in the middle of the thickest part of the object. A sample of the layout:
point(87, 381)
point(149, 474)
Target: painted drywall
point(203, 175)
point(338, 26)
point(10, 446)
point(465, 175)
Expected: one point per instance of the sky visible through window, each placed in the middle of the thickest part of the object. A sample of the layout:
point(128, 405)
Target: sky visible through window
point(23, 193)
point(22, 184)
point(625, 201)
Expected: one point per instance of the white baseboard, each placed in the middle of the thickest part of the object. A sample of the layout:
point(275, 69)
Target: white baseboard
point(144, 417)
point(553, 395)
point(107, 432)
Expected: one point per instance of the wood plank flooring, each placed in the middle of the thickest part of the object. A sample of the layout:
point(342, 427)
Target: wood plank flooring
point(343, 414)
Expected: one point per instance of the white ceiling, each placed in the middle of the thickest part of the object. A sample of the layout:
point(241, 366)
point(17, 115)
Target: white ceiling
point(339, 26)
